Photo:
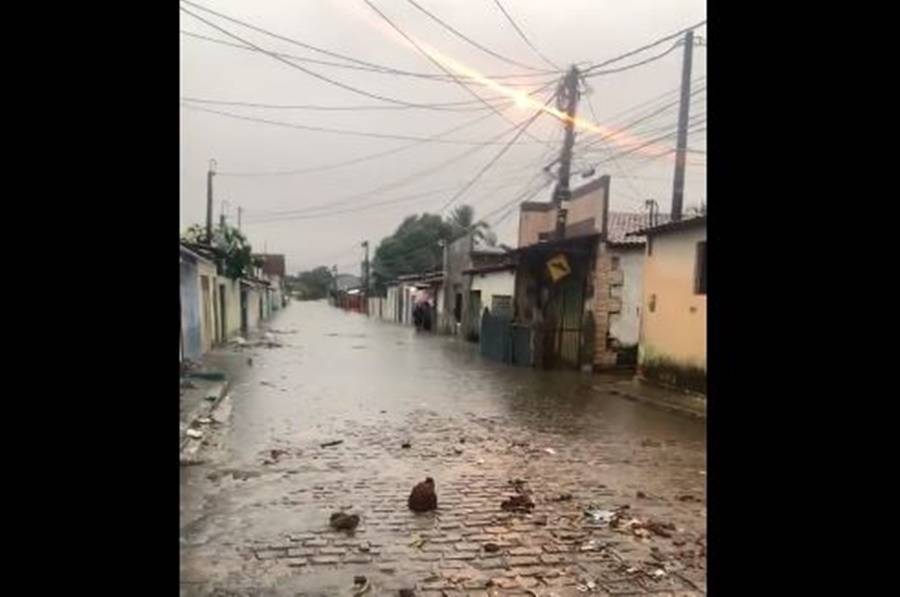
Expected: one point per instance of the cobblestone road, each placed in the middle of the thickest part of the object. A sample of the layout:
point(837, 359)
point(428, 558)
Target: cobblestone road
point(255, 514)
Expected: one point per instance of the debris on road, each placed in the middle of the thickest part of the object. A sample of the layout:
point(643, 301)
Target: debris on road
point(550, 451)
point(194, 433)
point(687, 498)
point(362, 585)
point(641, 495)
point(205, 421)
point(208, 375)
point(331, 443)
point(406, 593)
point(406, 444)
point(343, 521)
point(423, 497)
point(518, 503)
point(563, 497)
point(457, 451)
point(491, 547)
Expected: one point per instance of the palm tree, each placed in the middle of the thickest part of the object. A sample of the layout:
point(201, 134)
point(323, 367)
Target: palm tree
point(462, 221)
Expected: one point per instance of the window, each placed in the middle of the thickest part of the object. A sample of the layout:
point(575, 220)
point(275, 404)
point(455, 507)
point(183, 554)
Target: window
point(700, 275)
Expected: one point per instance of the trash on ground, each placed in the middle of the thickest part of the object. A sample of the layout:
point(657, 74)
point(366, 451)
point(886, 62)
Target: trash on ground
point(194, 433)
point(423, 498)
point(550, 451)
point(331, 443)
point(361, 583)
point(417, 542)
point(600, 515)
point(406, 444)
point(343, 521)
point(518, 503)
point(205, 420)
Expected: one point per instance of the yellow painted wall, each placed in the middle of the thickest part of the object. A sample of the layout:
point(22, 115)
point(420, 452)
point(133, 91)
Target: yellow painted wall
point(676, 328)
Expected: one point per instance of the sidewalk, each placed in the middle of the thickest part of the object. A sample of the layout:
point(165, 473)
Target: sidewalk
point(692, 405)
point(201, 392)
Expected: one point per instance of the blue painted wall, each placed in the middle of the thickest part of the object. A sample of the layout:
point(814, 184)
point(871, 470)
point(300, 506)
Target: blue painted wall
point(190, 311)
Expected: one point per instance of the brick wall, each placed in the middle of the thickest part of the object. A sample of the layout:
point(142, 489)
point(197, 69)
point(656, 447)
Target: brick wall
point(602, 304)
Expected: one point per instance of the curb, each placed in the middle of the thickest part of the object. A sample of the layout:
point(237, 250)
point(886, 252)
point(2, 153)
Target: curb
point(665, 405)
point(204, 411)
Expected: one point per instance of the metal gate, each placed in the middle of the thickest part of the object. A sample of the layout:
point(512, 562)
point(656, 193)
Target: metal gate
point(568, 306)
point(502, 340)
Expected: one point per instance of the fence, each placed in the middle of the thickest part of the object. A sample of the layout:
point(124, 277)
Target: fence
point(502, 340)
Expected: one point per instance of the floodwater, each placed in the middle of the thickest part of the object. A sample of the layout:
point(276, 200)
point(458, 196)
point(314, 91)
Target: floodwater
point(374, 385)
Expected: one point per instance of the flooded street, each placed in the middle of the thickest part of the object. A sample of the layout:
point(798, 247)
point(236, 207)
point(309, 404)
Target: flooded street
point(255, 511)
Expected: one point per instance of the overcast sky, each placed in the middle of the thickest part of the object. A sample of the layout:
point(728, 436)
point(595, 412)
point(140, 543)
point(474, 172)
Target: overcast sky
point(565, 31)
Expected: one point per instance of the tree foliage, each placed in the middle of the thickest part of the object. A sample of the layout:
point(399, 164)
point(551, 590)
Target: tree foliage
point(415, 246)
point(313, 284)
point(238, 260)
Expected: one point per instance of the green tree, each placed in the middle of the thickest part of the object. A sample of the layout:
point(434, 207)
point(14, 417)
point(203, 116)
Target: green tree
point(462, 220)
point(315, 283)
point(238, 260)
point(414, 247)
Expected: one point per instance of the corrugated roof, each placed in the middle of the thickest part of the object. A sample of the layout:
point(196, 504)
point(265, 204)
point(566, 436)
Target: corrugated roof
point(622, 225)
point(666, 224)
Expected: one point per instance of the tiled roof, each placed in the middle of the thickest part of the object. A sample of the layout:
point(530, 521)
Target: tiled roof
point(622, 223)
point(665, 224)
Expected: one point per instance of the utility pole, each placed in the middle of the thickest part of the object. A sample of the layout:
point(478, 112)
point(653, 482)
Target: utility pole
point(240, 209)
point(683, 113)
point(209, 200)
point(365, 273)
point(567, 101)
point(222, 215)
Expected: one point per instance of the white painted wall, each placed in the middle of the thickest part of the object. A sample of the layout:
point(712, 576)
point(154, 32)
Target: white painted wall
point(625, 326)
point(494, 283)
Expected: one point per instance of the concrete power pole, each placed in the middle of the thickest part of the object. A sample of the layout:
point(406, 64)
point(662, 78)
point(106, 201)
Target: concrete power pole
point(365, 273)
point(567, 100)
point(683, 113)
point(209, 200)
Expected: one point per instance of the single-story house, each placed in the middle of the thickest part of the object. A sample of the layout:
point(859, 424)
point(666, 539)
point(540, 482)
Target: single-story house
point(672, 347)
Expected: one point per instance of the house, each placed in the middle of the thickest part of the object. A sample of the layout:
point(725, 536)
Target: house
point(491, 287)
point(578, 279)
point(463, 313)
point(672, 347)
point(195, 303)
point(273, 269)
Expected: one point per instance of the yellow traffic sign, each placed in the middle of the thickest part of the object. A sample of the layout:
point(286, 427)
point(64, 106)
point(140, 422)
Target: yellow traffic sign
point(558, 267)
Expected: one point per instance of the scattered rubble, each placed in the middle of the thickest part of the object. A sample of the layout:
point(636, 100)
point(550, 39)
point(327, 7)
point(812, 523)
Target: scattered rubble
point(194, 433)
point(343, 521)
point(518, 503)
point(331, 443)
point(423, 497)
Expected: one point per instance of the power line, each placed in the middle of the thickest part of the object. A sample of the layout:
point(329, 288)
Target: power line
point(416, 175)
point(320, 129)
point(435, 62)
point(525, 37)
point(636, 64)
point(327, 108)
point(357, 65)
point(312, 73)
point(643, 48)
point(472, 42)
point(494, 160)
point(353, 161)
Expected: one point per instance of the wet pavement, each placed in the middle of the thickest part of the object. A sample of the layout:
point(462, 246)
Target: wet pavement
point(254, 514)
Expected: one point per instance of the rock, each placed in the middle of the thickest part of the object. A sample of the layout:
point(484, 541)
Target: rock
point(641, 495)
point(194, 434)
point(407, 593)
point(406, 444)
point(359, 580)
point(457, 451)
point(365, 547)
point(343, 521)
point(563, 497)
point(423, 497)
point(491, 547)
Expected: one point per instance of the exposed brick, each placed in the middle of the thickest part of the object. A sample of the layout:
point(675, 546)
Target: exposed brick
point(270, 554)
point(467, 546)
point(357, 559)
point(333, 551)
point(297, 562)
point(325, 560)
point(300, 552)
point(525, 551)
point(315, 543)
